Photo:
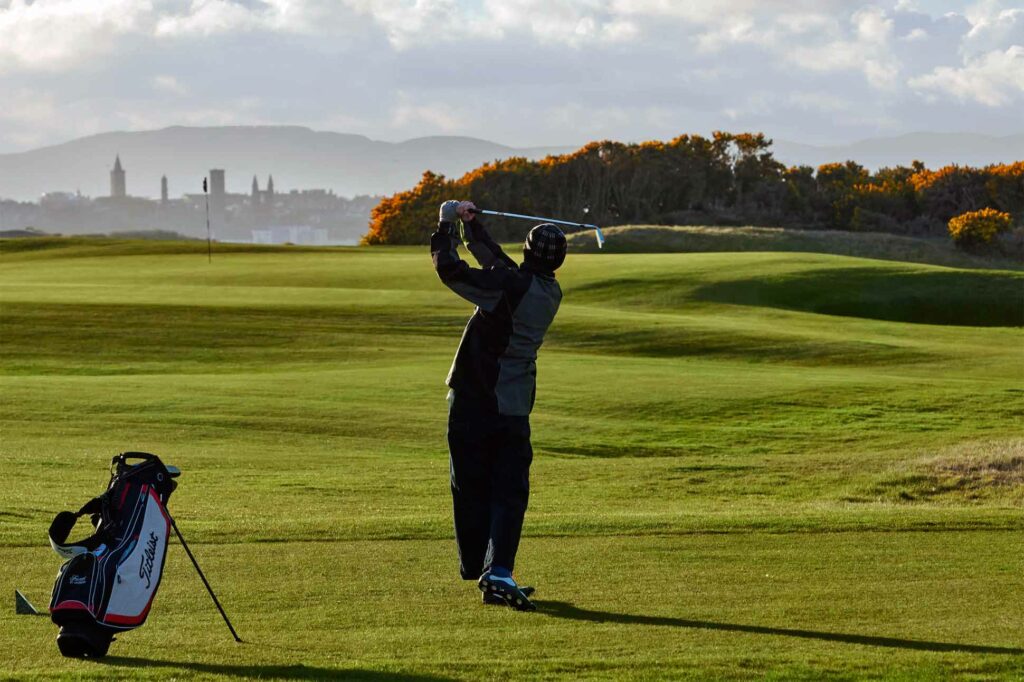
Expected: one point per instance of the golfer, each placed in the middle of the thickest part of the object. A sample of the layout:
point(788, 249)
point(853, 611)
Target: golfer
point(492, 386)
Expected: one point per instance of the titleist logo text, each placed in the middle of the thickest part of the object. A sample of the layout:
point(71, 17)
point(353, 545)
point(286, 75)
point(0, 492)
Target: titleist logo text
point(148, 557)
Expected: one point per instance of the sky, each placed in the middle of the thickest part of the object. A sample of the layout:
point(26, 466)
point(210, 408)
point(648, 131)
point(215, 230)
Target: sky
point(519, 72)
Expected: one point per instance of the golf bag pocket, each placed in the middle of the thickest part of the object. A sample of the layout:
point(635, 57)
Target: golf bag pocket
point(136, 569)
point(110, 579)
point(75, 588)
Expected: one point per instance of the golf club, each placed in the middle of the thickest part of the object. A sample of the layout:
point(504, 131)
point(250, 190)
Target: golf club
point(585, 226)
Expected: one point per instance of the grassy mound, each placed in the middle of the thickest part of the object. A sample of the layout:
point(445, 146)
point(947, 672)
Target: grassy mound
point(819, 284)
point(954, 297)
point(676, 239)
point(727, 483)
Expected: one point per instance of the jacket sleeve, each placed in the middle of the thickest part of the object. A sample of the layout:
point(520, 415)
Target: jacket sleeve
point(483, 288)
point(484, 249)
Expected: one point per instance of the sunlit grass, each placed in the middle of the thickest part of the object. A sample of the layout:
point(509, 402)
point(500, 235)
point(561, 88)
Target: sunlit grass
point(727, 482)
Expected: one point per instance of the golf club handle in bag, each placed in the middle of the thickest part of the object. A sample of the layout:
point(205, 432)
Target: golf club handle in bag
point(122, 462)
point(582, 226)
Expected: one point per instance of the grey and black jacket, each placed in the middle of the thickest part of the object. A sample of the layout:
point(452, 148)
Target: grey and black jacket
point(495, 367)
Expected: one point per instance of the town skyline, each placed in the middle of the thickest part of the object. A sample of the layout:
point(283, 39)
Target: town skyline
point(119, 185)
point(313, 216)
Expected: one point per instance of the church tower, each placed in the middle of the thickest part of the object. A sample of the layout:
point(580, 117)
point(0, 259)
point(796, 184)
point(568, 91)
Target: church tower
point(270, 190)
point(117, 184)
point(163, 190)
point(255, 198)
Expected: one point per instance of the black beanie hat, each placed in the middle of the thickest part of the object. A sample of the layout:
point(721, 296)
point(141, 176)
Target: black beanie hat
point(545, 246)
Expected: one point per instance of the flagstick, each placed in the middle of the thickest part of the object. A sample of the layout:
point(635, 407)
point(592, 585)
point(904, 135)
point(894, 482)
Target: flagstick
point(209, 247)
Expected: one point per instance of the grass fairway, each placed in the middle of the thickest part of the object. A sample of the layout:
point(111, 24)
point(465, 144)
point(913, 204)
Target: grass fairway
point(771, 465)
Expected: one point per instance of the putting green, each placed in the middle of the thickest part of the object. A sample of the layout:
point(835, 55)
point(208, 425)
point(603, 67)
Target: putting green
point(769, 465)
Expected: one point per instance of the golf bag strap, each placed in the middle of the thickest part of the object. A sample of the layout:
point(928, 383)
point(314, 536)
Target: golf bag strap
point(61, 528)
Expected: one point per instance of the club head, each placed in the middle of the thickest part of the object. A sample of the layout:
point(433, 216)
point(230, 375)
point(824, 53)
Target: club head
point(173, 471)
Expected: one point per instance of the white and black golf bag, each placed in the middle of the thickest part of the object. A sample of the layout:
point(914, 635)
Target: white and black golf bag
point(110, 578)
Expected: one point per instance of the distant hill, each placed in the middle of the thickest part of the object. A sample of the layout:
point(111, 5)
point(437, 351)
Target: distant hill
point(302, 158)
point(934, 149)
point(297, 157)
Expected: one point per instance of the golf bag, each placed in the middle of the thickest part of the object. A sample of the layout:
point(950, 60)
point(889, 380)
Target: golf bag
point(109, 580)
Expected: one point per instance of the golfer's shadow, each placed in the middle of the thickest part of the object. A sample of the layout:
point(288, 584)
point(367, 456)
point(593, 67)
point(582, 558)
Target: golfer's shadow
point(560, 609)
point(277, 672)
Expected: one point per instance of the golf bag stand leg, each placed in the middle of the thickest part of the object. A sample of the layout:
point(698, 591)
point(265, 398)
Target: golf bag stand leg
point(209, 589)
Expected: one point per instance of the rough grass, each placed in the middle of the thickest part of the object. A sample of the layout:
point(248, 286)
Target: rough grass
point(716, 486)
point(965, 473)
point(679, 239)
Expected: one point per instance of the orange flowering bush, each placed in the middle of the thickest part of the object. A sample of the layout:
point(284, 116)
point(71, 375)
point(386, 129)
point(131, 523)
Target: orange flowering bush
point(408, 217)
point(1005, 187)
point(722, 179)
point(975, 228)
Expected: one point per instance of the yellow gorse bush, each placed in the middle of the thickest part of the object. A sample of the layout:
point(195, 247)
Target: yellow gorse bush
point(727, 177)
point(979, 227)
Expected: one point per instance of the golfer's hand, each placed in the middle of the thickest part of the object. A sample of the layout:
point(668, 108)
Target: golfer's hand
point(448, 212)
point(465, 211)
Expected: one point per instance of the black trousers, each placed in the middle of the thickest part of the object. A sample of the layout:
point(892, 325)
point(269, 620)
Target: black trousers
point(490, 478)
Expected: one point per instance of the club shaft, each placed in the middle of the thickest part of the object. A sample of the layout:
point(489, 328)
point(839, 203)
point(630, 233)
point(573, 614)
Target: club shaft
point(534, 217)
point(209, 589)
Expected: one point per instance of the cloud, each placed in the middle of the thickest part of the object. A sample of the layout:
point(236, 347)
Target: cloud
point(30, 118)
point(993, 28)
point(994, 79)
point(440, 115)
point(882, 74)
point(212, 17)
point(28, 114)
point(819, 101)
point(206, 18)
point(710, 12)
point(573, 23)
point(523, 72)
point(873, 26)
point(864, 45)
point(59, 34)
point(145, 115)
point(738, 30)
point(410, 23)
point(169, 84)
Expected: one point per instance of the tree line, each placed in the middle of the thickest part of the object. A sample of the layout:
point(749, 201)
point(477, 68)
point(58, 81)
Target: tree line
point(727, 179)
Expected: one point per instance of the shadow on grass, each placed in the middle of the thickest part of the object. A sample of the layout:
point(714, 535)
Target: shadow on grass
point(279, 672)
point(977, 299)
point(560, 609)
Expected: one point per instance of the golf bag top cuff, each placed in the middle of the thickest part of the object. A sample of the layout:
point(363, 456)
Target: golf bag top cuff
point(60, 529)
point(62, 526)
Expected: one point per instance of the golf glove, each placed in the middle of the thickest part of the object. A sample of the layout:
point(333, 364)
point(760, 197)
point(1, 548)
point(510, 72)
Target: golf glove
point(448, 212)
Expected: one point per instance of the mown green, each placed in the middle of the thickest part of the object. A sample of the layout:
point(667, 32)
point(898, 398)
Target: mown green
point(772, 465)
